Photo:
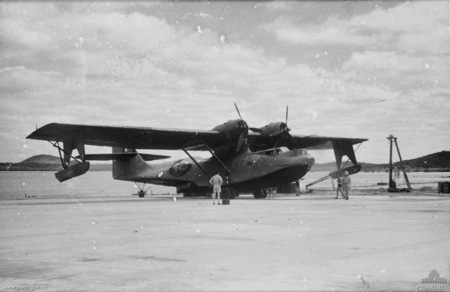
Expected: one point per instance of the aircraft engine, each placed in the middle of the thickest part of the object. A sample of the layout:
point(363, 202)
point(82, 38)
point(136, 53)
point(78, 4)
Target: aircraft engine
point(236, 132)
point(277, 129)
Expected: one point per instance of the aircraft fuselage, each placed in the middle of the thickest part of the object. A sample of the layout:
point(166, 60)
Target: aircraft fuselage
point(248, 171)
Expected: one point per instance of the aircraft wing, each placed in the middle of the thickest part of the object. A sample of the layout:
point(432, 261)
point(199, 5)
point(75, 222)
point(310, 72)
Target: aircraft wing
point(323, 142)
point(313, 142)
point(130, 137)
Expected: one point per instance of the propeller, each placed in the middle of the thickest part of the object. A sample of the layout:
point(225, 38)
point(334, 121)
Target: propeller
point(243, 128)
point(284, 126)
point(235, 105)
point(285, 131)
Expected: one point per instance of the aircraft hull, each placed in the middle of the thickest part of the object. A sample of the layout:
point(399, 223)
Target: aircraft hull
point(248, 173)
point(274, 179)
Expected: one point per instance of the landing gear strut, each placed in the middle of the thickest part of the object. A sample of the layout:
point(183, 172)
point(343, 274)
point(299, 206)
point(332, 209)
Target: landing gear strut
point(234, 194)
point(142, 190)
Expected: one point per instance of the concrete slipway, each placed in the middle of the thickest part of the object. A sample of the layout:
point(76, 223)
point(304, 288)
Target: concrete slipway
point(311, 242)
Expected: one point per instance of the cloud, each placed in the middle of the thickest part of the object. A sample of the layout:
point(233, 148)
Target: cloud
point(19, 78)
point(110, 52)
point(127, 64)
point(404, 47)
point(419, 26)
point(334, 31)
point(275, 6)
point(397, 70)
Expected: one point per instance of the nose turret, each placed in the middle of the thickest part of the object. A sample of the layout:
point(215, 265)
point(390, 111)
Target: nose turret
point(310, 161)
point(305, 159)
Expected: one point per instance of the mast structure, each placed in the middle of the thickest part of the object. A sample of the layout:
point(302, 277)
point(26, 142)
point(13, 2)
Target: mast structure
point(392, 184)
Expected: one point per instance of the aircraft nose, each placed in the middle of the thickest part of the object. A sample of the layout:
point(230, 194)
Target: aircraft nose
point(308, 160)
point(305, 160)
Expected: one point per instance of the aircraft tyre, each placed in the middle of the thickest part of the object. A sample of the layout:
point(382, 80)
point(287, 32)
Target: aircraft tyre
point(233, 193)
point(260, 194)
point(225, 194)
point(141, 194)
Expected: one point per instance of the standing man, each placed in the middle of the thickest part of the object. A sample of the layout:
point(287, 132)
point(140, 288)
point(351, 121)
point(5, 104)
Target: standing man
point(216, 181)
point(339, 187)
point(297, 188)
point(346, 184)
point(271, 192)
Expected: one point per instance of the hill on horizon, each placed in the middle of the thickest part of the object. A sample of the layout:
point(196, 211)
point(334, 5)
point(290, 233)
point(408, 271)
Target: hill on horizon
point(439, 161)
point(42, 159)
point(44, 162)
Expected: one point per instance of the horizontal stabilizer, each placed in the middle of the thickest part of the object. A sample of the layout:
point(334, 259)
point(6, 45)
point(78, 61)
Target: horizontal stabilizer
point(118, 156)
point(72, 171)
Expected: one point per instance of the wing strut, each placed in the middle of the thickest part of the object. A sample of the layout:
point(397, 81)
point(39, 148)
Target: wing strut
point(70, 143)
point(195, 161)
point(217, 158)
point(64, 153)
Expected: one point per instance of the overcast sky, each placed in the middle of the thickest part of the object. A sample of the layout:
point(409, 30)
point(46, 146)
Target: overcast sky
point(351, 69)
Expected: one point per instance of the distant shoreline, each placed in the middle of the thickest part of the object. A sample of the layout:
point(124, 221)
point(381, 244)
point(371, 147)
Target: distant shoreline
point(50, 167)
point(436, 162)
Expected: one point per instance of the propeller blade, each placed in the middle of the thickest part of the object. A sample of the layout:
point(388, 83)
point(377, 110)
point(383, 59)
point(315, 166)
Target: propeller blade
point(240, 141)
point(238, 111)
point(287, 112)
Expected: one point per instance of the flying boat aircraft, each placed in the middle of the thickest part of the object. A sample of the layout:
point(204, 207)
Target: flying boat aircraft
point(249, 161)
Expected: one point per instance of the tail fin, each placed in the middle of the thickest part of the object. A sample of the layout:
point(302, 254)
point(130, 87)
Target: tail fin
point(128, 166)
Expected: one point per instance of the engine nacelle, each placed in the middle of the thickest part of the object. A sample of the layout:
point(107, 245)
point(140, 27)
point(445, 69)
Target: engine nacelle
point(273, 130)
point(235, 133)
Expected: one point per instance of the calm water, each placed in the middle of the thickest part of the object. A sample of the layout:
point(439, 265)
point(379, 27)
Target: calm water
point(19, 184)
point(43, 184)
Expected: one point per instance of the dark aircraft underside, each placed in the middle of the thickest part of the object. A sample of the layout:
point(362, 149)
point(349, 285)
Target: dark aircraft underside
point(274, 179)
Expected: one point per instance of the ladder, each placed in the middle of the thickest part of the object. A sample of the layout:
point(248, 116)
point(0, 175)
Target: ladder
point(335, 174)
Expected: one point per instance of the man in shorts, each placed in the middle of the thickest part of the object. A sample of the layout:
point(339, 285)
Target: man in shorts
point(216, 181)
point(339, 188)
point(346, 184)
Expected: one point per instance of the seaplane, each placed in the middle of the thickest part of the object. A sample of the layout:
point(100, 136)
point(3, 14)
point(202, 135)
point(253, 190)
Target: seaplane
point(250, 159)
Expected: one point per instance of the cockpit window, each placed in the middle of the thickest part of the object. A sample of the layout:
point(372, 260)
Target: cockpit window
point(302, 151)
point(276, 151)
point(180, 167)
